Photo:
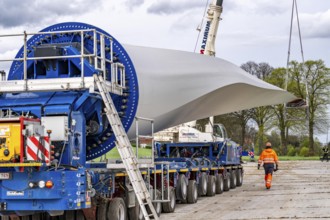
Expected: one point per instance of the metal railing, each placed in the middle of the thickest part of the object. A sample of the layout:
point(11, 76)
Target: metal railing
point(117, 79)
point(148, 161)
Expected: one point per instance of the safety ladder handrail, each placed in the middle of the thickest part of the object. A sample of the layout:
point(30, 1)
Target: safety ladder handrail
point(117, 69)
point(125, 151)
point(138, 136)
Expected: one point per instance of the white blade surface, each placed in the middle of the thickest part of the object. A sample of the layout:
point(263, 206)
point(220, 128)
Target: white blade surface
point(177, 87)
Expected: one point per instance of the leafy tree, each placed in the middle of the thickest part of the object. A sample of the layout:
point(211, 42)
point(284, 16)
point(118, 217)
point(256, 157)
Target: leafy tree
point(277, 78)
point(316, 76)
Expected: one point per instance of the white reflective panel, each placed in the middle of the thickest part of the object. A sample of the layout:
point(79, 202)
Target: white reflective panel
point(177, 87)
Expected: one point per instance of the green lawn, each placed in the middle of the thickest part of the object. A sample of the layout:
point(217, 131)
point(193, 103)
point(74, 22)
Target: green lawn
point(114, 154)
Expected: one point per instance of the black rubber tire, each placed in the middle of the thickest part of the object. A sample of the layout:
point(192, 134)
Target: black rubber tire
point(117, 209)
point(133, 213)
point(102, 210)
point(226, 183)
point(36, 216)
point(69, 215)
point(211, 187)
point(169, 207)
point(158, 205)
point(140, 217)
point(46, 216)
point(192, 195)
point(181, 188)
point(202, 186)
point(80, 215)
point(219, 184)
point(233, 180)
point(239, 176)
point(5, 217)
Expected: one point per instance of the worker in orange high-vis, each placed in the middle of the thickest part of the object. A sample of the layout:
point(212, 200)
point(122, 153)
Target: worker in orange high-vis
point(269, 160)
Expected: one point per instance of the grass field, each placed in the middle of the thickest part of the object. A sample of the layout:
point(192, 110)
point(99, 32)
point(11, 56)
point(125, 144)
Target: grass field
point(114, 154)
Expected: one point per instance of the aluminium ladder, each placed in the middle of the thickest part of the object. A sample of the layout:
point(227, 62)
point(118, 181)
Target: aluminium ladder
point(126, 152)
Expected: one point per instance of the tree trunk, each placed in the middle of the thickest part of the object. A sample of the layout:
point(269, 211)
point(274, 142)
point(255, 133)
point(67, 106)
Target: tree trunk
point(261, 138)
point(243, 134)
point(311, 137)
point(283, 141)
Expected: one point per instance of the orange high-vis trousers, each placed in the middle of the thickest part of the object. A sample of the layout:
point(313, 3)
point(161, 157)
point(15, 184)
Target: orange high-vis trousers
point(268, 180)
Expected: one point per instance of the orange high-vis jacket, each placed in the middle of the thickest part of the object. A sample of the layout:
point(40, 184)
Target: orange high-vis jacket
point(268, 156)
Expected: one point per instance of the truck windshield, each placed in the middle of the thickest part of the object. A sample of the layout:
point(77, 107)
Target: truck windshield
point(217, 131)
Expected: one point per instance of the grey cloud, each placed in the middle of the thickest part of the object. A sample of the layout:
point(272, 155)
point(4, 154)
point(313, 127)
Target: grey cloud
point(167, 7)
point(189, 20)
point(29, 12)
point(131, 4)
point(316, 25)
point(257, 7)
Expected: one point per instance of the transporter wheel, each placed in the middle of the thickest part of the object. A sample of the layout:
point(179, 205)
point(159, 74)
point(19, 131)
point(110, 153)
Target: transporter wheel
point(239, 176)
point(226, 183)
point(211, 186)
point(181, 188)
point(69, 215)
point(80, 215)
point(117, 209)
point(46, 216)
point(140, 216)
point(36, 216)
point(219, 184)
point(101, 213)
point(233, 180)
point(192, 195)
point(134, 212)
point(158, 205)
point(202, 186)
point(5, 217)
point(169, 207)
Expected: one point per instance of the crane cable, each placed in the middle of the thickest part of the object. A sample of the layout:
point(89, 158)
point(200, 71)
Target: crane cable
point(199, 28)
point(295, 8)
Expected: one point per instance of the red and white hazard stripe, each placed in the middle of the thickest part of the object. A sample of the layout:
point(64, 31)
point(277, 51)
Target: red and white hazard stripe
point(38, 149)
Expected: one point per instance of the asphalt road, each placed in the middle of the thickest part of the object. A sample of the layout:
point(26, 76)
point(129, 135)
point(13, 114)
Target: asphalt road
point(300, 190)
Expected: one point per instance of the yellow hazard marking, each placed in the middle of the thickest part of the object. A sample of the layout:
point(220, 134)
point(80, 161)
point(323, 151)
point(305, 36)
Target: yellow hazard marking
point(20, 164)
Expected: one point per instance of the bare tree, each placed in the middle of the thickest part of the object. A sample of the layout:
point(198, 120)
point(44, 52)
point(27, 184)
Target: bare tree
point(243, 117)
point(261, 115)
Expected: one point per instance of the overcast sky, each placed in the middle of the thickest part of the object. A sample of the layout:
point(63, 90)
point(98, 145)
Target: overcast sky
point(251, 30)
